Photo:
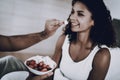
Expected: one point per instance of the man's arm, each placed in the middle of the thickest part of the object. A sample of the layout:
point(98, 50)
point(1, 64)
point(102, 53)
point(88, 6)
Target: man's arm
point(19, 42)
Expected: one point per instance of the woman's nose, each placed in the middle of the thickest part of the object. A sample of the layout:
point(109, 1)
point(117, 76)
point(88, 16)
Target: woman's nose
point(73, 17)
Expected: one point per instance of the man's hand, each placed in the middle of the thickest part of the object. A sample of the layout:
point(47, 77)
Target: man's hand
point(52, 25)
point(41, 77)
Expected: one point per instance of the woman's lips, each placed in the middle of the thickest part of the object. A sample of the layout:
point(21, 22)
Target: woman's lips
point(74, 24)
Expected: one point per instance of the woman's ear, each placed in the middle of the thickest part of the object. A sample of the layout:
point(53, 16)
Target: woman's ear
point(92, 22)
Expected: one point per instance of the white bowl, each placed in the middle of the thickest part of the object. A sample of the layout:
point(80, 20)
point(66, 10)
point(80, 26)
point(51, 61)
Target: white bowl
point(46, 59)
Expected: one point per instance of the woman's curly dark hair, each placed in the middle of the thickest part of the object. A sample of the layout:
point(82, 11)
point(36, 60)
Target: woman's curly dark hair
point(102, 33)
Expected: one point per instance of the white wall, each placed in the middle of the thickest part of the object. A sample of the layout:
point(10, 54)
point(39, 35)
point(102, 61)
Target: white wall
point(27, 16)
point(114, 7)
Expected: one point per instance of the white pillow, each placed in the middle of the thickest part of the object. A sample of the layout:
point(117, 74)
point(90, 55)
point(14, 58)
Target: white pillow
point(16, 75)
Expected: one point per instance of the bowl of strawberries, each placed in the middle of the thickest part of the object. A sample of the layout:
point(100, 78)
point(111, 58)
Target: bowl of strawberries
point(40, 65)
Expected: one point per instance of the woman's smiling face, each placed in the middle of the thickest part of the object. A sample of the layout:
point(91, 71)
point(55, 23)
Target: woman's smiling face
point(80, 18)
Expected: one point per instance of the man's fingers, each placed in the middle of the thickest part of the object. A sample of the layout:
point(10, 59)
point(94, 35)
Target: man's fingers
point(46, 75)
point(53, 25)
point(59, 23)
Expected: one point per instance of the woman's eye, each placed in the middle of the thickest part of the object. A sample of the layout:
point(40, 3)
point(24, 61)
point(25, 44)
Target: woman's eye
point(80, 14)
point(72, 12)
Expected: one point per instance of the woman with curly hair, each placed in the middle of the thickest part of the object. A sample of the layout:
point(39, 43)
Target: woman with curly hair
point(82, 52)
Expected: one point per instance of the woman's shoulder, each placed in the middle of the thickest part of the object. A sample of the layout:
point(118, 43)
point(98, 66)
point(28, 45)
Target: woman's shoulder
point(60, 40)
point(102, 57)
point(62, 37)
point(102, 52)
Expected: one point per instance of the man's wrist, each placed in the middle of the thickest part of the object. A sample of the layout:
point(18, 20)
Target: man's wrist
point(44, 34)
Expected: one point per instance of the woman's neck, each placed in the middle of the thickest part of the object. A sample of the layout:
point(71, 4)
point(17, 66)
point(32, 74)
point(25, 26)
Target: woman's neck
point(84, 39)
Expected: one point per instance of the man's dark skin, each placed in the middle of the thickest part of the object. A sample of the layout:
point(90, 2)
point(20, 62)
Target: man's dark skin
point(19, 42)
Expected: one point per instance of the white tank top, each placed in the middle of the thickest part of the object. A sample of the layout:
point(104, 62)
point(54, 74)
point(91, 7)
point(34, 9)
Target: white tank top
point(75, 70)
point(70, 70)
